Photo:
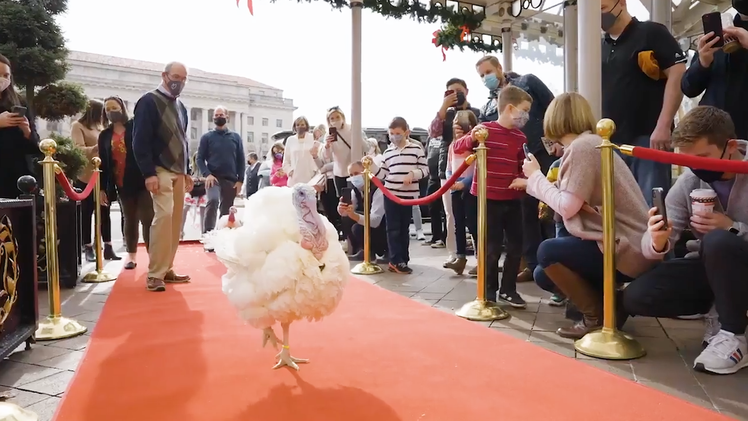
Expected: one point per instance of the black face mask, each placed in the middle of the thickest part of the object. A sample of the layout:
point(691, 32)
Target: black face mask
point(114, 116)
point(609, 19)
point(460, 99)
point(220, 121)
point(709, 176)
point(741, 6)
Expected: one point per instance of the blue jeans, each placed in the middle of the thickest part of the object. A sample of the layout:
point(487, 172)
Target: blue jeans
point(649, 174)
point(580, 256)
point(561, 230)
point(398, 230)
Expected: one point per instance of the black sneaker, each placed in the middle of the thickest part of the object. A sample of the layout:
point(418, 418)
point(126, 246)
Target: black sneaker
point(513, 299)
point(400, 268)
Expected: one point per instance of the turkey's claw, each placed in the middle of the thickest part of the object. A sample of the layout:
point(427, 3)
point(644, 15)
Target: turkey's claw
point(285, 359)
point(268, 335)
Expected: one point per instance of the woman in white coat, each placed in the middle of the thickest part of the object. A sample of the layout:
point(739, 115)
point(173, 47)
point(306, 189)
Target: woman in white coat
point(301, 151)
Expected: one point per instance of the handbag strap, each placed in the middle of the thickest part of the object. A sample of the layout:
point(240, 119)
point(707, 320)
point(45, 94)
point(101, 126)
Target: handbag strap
point(343, 139)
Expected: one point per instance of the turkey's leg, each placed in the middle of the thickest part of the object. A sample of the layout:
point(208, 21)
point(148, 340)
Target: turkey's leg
point(268, 335)
point(284, 357)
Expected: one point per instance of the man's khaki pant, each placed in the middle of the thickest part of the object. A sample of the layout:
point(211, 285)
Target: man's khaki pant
point(168, 206)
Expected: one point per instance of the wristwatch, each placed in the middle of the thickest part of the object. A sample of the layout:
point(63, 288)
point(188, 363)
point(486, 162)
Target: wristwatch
point(735, 228)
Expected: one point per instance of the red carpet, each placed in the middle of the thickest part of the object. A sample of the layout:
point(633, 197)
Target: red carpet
point(183, 355)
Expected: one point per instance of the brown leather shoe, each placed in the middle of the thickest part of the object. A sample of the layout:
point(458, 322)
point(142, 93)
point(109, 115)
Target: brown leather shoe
point(579, 329)
point(457, 265)
point(525, 276)
point(155, 285)
point(172, 277)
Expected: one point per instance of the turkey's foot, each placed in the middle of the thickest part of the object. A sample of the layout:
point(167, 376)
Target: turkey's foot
point(285, 359)
point(268, 335)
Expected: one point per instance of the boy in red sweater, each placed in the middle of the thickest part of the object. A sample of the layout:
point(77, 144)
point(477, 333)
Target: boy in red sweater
point(504, 163)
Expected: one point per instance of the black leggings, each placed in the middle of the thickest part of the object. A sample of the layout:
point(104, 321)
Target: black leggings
point(329, 199)
point(87, 210)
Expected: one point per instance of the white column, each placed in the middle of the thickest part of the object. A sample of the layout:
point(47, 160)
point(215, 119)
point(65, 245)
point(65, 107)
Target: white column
point(507, 48)
point(356, 114)
point(662, 12)
point(590, 58)
point(571, 38)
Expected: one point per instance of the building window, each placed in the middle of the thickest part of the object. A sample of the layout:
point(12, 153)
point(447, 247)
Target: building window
point(250, 121)
point(193, 133)
point(264, 121)
point(265, 137)
point(251, 137)
point(278, 123)
point(193, 114)
point(210, 116)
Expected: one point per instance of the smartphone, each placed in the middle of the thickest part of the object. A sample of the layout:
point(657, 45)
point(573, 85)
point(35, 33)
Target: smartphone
point(712, 22)
point(658, 200)
point(334, 134)
point(527, 151)
point(448, 93)
point(345, 195)
point(19, 110)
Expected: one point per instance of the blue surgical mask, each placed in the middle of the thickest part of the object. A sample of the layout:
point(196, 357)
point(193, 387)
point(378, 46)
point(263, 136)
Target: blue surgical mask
point(357, 181)
point(491, 81)
point(520, 119)
point(396, 138)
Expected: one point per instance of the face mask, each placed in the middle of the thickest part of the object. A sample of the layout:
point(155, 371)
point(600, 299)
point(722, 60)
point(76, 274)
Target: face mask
point(338, 124)
point(491, 81)
point(396, 138)
point(278, 156)
point(521, 119)
point(301, 130)
point(741, 6)
point(460, 99)
point(708, 176)
point(220, 121)
point(175, 87)
point(357, 181)
point(114, 116)
point(608, 19)
point(4, 83)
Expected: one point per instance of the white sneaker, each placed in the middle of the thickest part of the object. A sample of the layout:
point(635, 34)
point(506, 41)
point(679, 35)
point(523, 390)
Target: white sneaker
point(420, 236)
point(711, 320)
point(726, 354)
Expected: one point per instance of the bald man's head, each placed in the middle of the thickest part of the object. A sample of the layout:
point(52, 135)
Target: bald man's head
point(174, 77)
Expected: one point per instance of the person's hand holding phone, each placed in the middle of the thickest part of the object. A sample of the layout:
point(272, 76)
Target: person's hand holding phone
point(657, 230)
point(530, 165)
point(707, 49)
point(450, 99)
point(8, 119)
point(737, 33)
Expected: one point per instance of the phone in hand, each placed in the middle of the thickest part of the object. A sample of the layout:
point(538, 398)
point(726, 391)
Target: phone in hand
point(658, 200)
point(334, 134)
point(345, 195)
point(448, 92)
point(19, 110)
point(712, 22)
point(527, 151)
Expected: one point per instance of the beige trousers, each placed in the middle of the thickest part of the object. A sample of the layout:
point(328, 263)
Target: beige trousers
point(167, 222)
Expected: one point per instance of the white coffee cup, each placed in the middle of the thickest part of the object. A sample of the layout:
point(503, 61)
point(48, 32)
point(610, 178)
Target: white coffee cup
point(703, 200)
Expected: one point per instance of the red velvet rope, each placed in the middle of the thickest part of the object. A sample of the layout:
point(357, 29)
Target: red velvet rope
point(430, 198)
point(65, 183)
point(691, 161)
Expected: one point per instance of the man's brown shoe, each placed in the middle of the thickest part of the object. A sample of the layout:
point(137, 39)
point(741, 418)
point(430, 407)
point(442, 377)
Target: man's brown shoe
point(155, 284)
point(172, 278)
point(525, 276)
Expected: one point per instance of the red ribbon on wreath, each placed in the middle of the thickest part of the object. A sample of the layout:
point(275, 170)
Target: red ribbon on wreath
point(465, 31)
point(249, 6)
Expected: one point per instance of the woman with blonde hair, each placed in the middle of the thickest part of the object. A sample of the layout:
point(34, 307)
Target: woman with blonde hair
point(300, 153)
point(573, 265)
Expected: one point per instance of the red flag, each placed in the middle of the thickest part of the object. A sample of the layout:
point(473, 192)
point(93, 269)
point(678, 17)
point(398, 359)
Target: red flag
point(249, 6)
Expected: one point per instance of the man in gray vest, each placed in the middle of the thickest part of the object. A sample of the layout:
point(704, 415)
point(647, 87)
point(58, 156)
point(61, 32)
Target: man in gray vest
point(161, 149)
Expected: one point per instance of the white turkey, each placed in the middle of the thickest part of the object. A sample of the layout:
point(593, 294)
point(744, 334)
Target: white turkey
point(284, 263)
point(229, 221)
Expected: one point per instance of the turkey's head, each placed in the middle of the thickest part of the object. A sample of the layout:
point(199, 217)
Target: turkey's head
point(232, 216)
point(304, 197)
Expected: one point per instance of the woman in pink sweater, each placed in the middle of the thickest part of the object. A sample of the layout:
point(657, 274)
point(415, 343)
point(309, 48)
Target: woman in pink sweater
point(278, 177)
point(573, 265)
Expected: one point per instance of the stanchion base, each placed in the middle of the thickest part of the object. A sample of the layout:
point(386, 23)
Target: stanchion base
point(97, 277)
point(482, 311)
point(610, 344)
point(366, 268)
point(12, 412)
point(53, 328)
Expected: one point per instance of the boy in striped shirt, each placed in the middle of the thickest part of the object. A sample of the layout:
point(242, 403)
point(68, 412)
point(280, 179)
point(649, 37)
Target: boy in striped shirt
point(403, 164)
point(504, 203)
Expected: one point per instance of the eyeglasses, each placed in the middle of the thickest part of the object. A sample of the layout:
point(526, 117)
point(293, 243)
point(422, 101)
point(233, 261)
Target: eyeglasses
point(335, 108)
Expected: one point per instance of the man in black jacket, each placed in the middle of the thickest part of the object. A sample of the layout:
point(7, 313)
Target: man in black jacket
point(455, 99)
point(252, 179)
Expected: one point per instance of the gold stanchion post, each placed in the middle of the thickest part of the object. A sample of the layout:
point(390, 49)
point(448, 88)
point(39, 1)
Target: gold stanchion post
point(98, 275)
point(482, 309)
point(367, 267)
point(54, 326)
point(609, 343)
